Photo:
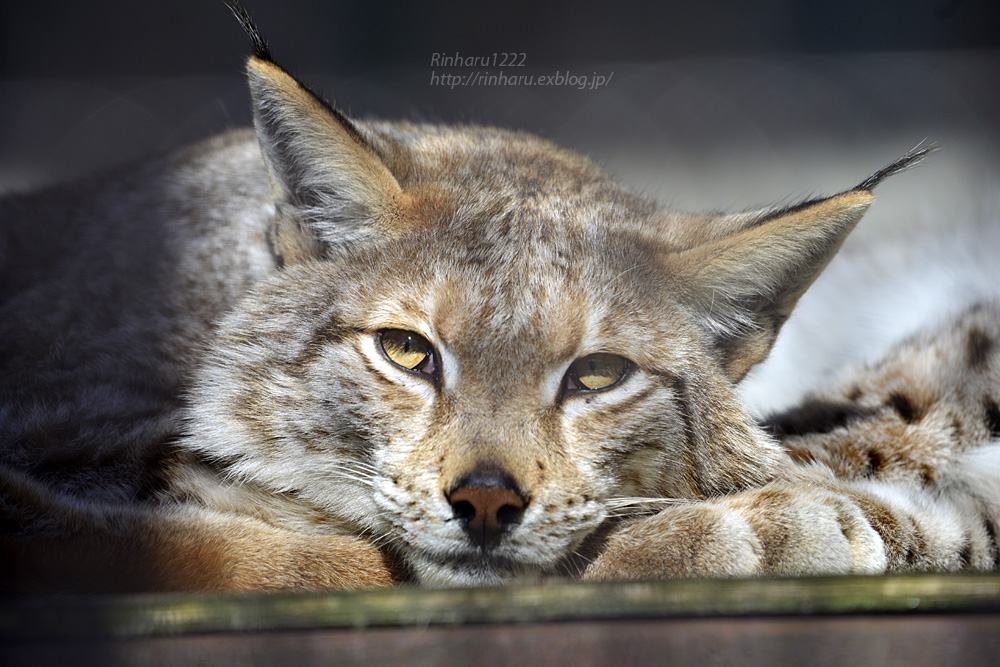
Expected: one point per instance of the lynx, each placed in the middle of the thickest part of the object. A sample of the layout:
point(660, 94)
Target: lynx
point(332, 353)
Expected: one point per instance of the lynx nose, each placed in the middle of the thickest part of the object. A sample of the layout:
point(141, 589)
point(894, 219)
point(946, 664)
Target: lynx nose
point(486, 502)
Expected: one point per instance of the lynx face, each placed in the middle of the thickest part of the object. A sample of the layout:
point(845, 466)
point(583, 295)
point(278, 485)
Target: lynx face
point(474, 390)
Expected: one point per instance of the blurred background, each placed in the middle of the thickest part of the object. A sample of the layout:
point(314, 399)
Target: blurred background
point(696, 93)
point(720, 104)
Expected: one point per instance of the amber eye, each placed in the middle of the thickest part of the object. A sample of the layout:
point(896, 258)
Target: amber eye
point(596, 371)
point(408, 350)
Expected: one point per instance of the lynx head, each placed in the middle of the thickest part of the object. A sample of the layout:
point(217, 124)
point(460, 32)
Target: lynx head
point(477, 340)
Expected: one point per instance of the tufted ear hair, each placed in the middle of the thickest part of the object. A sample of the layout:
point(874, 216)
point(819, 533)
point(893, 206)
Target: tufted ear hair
point(331, 188)
point(743, 285)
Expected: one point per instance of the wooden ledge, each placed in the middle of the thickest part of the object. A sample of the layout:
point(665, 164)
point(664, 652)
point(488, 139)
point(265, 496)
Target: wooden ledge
point(144, 616)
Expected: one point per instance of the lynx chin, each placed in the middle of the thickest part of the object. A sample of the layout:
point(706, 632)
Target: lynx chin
point(331, 353)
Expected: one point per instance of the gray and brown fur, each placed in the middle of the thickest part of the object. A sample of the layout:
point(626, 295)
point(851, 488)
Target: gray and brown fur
point(194, 397)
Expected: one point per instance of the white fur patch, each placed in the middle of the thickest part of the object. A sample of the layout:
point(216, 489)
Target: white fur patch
point(977, 472)
point(868, 300)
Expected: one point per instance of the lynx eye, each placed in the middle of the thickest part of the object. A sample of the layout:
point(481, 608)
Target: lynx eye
point(596, 371)
point(407, 350)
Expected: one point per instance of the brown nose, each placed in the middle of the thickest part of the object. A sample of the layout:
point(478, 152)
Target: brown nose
point(486, 502)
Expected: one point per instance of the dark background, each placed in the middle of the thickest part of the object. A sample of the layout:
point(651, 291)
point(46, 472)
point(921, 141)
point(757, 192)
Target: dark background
point(723, 104)
point(59, 38)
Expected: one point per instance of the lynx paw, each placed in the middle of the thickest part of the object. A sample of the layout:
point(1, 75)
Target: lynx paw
point(700, 540)
point(774, 530)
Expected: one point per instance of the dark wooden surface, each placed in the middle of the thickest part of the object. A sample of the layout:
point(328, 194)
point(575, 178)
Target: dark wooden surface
point(876, 641)
point(907, 620)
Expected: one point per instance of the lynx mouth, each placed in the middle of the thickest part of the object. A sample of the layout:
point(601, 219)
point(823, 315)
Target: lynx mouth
point(473, 569)
point(468, 564)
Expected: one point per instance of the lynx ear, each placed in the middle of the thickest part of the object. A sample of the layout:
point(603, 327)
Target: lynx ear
point(744, 285)
point(331, 188)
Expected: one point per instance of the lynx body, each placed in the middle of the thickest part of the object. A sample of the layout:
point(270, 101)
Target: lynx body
point(341, 354)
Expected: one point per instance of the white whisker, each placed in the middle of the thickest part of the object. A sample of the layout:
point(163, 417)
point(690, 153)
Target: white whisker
point(627, 506)
point(576, 564)
point(354, 471)
point(386, 539)
point(365, 466)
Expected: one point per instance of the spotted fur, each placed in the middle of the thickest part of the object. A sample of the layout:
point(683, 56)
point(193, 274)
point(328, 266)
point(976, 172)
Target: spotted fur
point(194, 395)
point(896, 466)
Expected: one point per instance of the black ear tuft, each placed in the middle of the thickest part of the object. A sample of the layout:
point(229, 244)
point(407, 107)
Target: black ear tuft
point(260, 48)
point(902, 164)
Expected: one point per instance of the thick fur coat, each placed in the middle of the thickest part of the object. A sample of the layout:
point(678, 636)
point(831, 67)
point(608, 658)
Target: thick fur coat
point(339, 354)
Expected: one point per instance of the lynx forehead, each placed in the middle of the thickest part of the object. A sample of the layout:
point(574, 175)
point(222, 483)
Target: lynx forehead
point(342, 353)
